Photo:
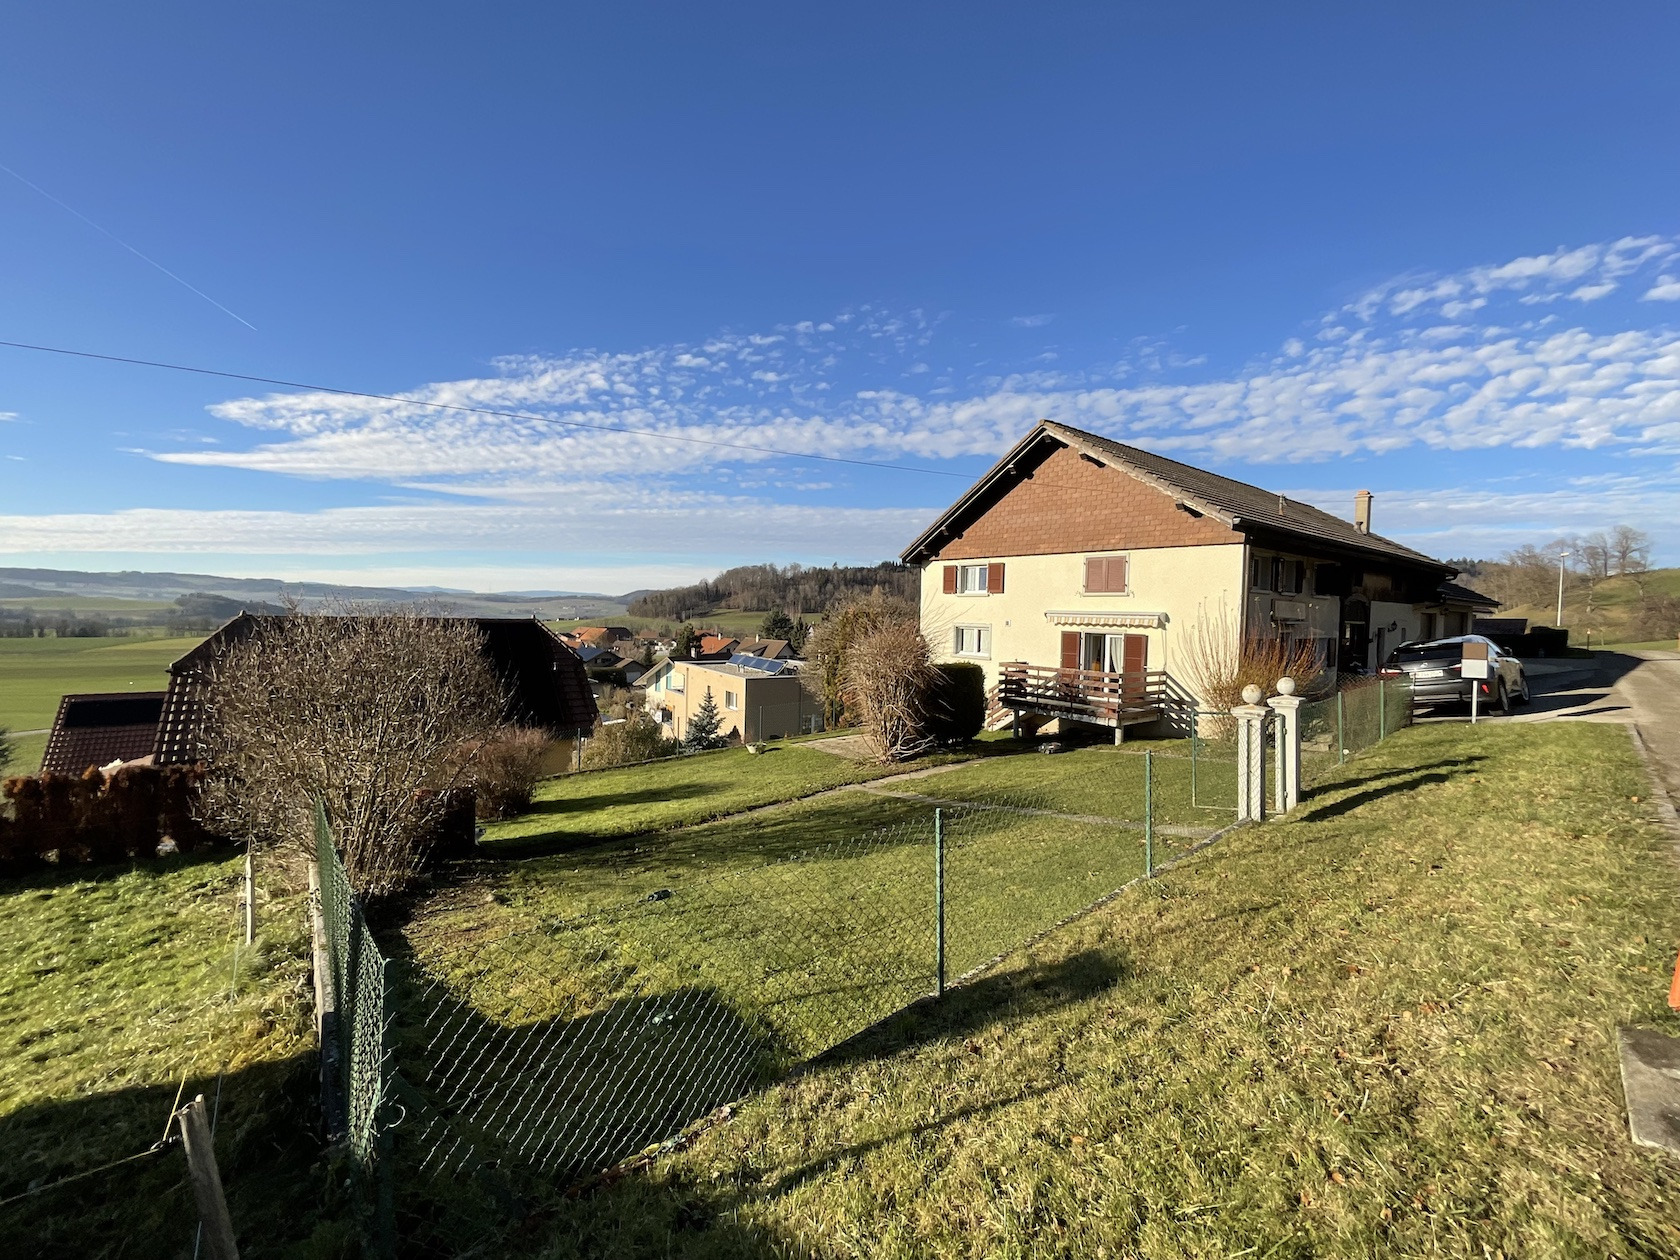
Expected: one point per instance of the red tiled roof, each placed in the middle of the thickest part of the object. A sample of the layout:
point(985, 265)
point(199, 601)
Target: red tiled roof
point(97, 729)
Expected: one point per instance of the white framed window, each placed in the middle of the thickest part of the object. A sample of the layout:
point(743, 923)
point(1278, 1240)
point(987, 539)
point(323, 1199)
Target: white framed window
point(1107, 575)
point(971, 641)
point(676, 680)
point(971, 579)
point(731, 700)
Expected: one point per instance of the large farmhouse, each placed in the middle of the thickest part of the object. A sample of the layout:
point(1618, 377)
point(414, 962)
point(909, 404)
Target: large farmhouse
point(1076, 557)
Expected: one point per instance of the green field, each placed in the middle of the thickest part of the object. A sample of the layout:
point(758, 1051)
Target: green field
point(91, 606)
point(36, 673)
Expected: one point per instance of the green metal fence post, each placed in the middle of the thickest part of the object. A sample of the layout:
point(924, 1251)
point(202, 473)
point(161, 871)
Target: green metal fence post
point(1382, 711)
point(1194, 800)
point(1341, 738)
point(939, 902)
point(1148, 815)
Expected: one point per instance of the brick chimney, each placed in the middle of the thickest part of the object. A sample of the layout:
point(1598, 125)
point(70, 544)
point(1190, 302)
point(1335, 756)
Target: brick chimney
point(1362, 511)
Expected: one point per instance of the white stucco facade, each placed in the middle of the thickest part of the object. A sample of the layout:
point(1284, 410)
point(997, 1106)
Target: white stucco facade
point(1169, 591)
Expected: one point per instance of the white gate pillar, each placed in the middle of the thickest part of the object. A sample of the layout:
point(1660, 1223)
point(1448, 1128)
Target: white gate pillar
point(1251, 755)
point(1287, 706)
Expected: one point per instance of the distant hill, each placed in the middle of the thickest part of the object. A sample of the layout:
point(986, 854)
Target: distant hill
point(136, 597)
point(762, 587)
point(1622, 608)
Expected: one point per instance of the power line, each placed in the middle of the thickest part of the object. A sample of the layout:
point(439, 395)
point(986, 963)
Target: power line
point(487, 411)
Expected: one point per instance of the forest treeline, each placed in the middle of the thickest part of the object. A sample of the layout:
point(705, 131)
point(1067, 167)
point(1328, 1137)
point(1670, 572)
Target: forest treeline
point(792, 588)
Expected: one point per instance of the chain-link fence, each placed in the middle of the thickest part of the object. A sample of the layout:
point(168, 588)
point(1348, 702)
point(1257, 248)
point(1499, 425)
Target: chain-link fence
point(510, 1050)
point(554, 1049)
point(1358, 716)
point(354, 1041)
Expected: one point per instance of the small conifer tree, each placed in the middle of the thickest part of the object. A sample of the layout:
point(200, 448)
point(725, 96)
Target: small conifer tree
point(703, 725)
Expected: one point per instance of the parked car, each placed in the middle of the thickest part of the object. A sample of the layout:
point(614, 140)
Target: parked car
point(1436, 674)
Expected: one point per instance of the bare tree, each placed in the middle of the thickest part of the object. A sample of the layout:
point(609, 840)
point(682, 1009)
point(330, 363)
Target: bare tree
point(1595, 555)
point(375, 716)
point(1629, 549)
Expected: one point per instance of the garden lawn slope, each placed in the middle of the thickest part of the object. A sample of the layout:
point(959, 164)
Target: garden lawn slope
point(578, 809)
point(1385, 1028)
point(115, 984)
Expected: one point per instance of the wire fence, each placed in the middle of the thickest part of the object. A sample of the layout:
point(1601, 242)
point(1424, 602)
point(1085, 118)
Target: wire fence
point(1358, 716)
point(484, 1057)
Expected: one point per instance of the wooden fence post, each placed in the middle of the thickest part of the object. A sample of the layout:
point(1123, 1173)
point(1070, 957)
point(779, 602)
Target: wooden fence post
point(207, 1182)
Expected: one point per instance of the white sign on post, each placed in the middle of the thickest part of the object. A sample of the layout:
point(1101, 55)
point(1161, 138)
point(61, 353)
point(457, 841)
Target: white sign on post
point(1478, 668)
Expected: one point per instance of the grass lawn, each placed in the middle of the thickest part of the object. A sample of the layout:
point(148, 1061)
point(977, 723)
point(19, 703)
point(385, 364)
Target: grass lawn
point(579, 809)
point(1383, 1028)
point(116, 982)
point(36, 673)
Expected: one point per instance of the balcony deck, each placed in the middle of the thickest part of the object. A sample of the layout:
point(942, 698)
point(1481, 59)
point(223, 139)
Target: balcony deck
point(1096, 696)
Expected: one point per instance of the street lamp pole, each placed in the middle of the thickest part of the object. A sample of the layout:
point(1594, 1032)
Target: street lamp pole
point(1562, 556)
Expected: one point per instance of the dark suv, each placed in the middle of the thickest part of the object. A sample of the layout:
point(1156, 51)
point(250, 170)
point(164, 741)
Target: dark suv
point(1435, 671)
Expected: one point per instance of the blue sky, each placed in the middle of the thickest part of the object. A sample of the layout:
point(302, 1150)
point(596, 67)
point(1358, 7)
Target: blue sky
point(1431, 252)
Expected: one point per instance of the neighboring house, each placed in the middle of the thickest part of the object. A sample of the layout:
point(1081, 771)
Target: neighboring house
point(545, 683)
point(599, 657)
point(1077, 553)
point(603, 636)
point(763, 702)
point(102, 728)
point(711, 647)
point(767, 649)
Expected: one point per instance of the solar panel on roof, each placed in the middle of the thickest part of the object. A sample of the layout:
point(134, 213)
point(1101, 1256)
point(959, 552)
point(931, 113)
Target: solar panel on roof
point(761, 663)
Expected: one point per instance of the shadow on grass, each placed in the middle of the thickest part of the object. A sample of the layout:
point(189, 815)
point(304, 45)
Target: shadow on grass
point(51, 874)
point(610, 1084)
point(284, 1194)
point(1019, 993)
point(1374, 787)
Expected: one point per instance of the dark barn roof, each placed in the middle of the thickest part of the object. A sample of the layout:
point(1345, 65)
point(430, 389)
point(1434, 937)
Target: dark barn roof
point(545, 682)
point(97, 729)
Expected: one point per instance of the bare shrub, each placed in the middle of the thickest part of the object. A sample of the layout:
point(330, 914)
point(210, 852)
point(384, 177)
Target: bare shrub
point(639, 738)
point(504, 771)
point(1220, 661)
point(888, 682)
point(368, 714)
point(831, 643)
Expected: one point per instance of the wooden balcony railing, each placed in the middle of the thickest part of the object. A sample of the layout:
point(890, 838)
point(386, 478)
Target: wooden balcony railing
point(1109, 697)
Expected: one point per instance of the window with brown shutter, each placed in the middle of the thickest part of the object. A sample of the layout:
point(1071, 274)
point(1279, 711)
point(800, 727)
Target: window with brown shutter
point(1070, 649)
point(950, 579)
point(1106, 575)
point(994, 579)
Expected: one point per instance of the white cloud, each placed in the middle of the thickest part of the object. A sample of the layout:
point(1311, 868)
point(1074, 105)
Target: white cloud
point(1475, 520)
point(1031, 321)
point(598, 443)
point(597, 521)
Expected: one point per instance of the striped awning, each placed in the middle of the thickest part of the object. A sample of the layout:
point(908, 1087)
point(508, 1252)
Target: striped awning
point(1100, 619)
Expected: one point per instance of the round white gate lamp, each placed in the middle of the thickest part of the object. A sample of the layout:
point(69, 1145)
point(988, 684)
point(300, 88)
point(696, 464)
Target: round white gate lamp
point(1286, 686)
point(1252, 694)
